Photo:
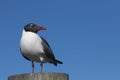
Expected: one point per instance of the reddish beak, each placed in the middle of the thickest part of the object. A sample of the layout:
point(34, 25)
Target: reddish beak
point(41, 28)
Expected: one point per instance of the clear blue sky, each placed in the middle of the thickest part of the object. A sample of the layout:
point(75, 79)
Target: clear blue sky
point(84, 34)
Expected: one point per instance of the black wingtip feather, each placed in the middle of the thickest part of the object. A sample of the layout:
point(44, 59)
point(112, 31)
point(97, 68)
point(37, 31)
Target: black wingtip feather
point(57, 62)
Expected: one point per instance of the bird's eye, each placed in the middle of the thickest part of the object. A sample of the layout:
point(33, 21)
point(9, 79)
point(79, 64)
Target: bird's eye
point(31, 25)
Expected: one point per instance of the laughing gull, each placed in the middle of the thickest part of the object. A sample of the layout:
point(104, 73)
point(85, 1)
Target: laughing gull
point(35, 48)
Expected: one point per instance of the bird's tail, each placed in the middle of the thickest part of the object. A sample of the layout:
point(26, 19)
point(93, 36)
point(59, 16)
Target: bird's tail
point(57, 62)
point(60, 62)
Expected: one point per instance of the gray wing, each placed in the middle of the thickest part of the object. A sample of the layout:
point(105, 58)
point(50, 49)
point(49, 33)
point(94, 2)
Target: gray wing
point(47, 49)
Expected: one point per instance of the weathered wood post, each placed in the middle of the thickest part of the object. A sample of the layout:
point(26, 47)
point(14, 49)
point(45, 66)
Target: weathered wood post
point(40, 76)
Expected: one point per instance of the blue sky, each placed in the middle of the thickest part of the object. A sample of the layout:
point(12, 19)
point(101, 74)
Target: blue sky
point(84, 34)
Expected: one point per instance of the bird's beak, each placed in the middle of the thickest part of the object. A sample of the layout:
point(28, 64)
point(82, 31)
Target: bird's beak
point(41, 28)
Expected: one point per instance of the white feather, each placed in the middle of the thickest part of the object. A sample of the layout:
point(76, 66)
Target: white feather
point(31, 45)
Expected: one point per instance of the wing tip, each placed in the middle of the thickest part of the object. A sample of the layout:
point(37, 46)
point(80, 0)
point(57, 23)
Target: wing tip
point(57, 61)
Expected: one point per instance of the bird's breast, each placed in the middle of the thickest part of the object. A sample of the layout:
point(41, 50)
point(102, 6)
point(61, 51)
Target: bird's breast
point(31, 44)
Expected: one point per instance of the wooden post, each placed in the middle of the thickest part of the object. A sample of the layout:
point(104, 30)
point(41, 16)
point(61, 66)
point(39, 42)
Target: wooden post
point(40, 76)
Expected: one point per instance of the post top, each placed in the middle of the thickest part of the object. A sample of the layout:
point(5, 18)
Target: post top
point(40, 76)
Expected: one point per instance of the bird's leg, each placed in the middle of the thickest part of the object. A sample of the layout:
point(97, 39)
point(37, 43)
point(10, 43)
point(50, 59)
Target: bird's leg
point(32, 67)
point(41, 65)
